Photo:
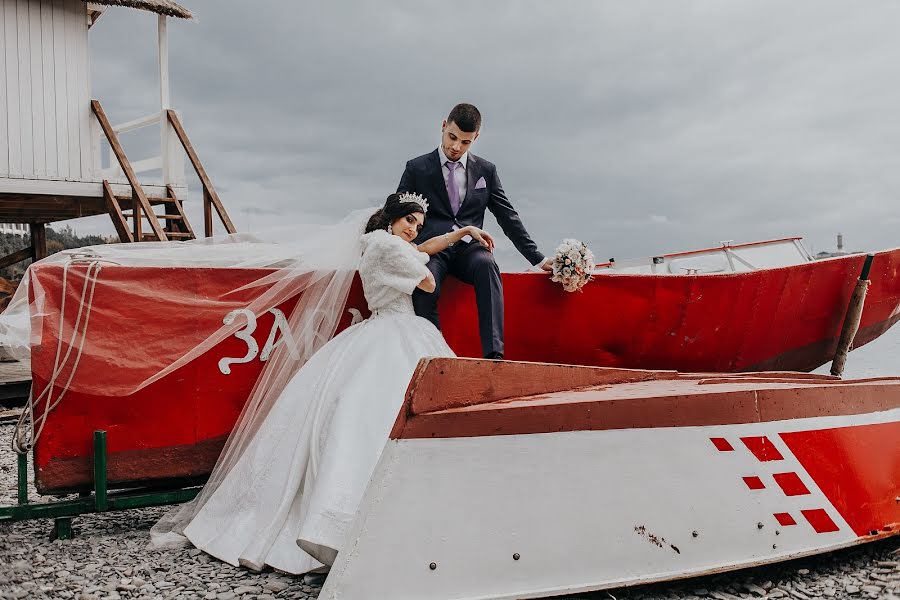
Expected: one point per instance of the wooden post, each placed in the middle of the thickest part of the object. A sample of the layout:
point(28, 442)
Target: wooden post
point(165, 146)
point(852, 318)
point(207, 213)
point(38, 241)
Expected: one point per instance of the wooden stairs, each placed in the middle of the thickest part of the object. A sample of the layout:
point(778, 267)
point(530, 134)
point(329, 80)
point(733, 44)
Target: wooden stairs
point(135, 217)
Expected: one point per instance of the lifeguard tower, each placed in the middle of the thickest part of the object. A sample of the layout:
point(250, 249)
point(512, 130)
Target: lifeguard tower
point(52, 133)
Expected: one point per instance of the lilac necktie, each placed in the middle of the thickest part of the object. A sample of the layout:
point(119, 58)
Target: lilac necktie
point(452, 189)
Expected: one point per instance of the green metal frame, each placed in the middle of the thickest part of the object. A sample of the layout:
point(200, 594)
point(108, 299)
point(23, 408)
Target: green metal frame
point(99, 501)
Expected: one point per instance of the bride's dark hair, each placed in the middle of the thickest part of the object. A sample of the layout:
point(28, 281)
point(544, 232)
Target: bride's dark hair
point(392, 210)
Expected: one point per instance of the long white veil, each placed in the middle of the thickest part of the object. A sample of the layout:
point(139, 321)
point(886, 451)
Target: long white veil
point(316, 263)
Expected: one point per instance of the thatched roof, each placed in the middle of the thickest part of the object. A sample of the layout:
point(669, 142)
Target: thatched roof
point(162, 7)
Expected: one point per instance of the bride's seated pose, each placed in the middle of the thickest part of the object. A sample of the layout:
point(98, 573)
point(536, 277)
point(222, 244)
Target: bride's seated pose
point(289, 498)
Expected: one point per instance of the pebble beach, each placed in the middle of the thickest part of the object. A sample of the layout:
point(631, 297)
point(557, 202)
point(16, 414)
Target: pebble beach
point(108, 559)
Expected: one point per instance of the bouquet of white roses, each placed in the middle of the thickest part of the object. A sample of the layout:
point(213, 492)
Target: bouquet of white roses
point(573, 265)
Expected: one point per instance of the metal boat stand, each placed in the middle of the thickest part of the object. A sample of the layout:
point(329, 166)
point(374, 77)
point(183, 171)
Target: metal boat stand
point(62, 511)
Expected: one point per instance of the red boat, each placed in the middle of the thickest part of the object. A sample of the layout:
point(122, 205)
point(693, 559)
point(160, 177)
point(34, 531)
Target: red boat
point(539, 480)
point(172, 429)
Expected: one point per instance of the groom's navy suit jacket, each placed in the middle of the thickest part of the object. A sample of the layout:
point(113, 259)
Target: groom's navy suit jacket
point(423, 175)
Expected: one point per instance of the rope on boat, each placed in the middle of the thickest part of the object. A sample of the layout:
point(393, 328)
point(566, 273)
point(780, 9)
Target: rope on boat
point(25, 435)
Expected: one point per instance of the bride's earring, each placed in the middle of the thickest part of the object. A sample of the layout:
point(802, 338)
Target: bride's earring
point(389, 229)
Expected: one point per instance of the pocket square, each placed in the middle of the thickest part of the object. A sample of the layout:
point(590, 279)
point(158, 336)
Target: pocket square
point(480, 184)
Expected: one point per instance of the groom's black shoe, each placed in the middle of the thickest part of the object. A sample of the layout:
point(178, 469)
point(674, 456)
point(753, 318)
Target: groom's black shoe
point(494, 356)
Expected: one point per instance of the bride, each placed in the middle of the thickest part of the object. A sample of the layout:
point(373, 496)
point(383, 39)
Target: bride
point(291, 494)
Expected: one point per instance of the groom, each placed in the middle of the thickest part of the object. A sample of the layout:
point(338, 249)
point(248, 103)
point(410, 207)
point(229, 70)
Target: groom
point(459, 186)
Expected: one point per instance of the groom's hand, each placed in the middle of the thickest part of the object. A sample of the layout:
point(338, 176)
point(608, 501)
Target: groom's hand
point(482, 236)
point(547, 264)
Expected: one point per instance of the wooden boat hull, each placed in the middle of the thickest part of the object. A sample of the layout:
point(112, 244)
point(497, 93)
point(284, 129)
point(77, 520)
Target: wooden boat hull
point(174, 428)
point(530, 492)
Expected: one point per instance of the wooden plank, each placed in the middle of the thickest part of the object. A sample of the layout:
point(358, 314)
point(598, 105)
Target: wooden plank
point(60, 90)
point(207, 214)
point(492, 381)
point(25, 102)
point(115, 213)
point(23, 210)
point(27, 187)
point(11, 415)
point(201, 173)
point(35, 52)
point(42, 216)
point(37, 202)
point(129, 173)
point(139, 123)
point(18, 256)
point(147, 164)
point(71, 33)
point(4, 131)
point(38, 241)
point(11, 85)
point(47, 42)
point(185, 225)
point(49, 218)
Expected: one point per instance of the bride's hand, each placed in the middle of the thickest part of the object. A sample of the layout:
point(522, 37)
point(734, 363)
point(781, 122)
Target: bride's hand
point(483, 237)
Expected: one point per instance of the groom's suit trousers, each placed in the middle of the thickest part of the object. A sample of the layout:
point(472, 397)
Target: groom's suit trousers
point(474, 264)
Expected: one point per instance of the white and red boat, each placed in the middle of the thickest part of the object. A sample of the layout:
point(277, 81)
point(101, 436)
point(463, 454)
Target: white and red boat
point(538, 480)
point(774, 317)
point(533, 479)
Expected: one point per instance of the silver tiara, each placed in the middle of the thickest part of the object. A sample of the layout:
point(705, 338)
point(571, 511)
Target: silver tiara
point(414, 197)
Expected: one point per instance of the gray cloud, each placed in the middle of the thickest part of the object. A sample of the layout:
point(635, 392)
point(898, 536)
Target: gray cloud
point(638, 127)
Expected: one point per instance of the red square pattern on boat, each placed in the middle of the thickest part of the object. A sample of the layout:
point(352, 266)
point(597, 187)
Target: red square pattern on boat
point(754, 483)
point(820, 520)
point(722, 444)
point(847, 465)
point(791, 484)
point(785, 519)
point(763, 449)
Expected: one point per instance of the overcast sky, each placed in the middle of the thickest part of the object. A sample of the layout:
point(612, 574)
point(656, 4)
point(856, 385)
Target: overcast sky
point(639, 127)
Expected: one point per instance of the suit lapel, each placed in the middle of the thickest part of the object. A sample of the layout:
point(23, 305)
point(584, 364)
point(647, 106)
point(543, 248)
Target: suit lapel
point(437, 181)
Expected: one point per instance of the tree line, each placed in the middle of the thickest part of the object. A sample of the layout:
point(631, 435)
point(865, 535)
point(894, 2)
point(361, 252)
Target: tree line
point(64, 239)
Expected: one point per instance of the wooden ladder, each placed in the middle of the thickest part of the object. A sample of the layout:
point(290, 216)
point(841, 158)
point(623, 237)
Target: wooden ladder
point(172, 223)
point(173, 220)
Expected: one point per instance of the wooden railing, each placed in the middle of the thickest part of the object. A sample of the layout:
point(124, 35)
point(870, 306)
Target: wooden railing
point(210, 197)
point(140, 202)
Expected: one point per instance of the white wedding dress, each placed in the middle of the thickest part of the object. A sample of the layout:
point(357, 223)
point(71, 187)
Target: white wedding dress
point(293, 493)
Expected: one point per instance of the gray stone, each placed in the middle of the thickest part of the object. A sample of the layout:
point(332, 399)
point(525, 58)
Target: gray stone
point(275, 586)
point(755, 589)
point(872, 589)
point(247, 589)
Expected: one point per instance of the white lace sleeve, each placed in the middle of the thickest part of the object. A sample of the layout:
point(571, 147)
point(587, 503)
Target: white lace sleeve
point(389, 261)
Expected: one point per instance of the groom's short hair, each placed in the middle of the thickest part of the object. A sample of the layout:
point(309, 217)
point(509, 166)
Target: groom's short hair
point(466, 117)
